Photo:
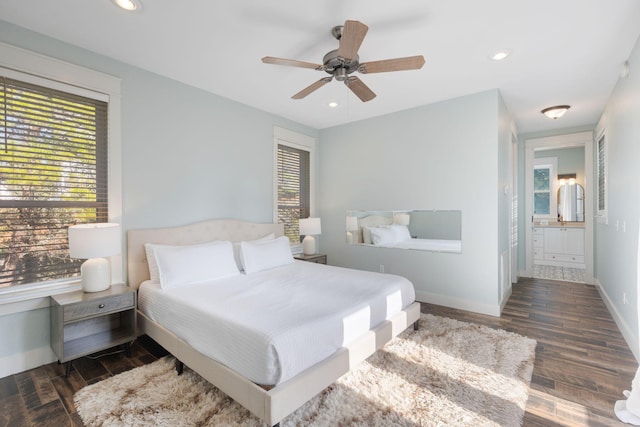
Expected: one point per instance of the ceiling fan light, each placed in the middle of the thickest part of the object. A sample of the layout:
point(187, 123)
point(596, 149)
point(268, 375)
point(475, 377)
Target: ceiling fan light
point(556, 111)
point(340, 74)
point(128, 5)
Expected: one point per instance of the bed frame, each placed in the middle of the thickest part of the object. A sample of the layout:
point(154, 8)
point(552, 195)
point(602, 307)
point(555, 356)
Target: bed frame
point(274, 404)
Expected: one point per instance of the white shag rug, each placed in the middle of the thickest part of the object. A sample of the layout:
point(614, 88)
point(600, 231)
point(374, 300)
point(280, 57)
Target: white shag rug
point(448, 373)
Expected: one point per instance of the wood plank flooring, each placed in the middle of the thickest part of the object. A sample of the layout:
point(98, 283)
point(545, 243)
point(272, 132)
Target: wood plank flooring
point(582, 362)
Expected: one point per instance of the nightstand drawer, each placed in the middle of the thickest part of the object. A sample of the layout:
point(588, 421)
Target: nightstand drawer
point(319, 260)
point(316, 258)
point(95, 307)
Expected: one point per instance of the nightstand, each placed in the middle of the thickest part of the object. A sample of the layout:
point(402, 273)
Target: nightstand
point(317, 258)
point(83, 323)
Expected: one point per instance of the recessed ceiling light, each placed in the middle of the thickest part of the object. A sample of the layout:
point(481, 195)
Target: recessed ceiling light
point(556, 111)
point(500, 54)
point(333, 104)
point(129, 5)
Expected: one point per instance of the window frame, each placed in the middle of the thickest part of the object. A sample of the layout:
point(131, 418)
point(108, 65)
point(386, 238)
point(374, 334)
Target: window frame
point(30, 67)
point(289, 138)
point(550, 163)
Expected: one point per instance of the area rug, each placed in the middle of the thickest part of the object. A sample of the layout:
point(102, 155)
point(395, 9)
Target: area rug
point(448, 373)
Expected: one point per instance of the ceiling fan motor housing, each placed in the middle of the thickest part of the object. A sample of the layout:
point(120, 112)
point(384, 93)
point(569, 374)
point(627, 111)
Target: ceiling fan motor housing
point(339, 67)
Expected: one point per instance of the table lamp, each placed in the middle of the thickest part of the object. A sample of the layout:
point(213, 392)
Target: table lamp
point(401, 218)
point(352, 225)
point(95, 242)
point(308, 228)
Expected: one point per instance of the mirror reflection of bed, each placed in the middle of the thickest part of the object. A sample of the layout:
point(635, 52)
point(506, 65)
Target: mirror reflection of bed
point(426, 230)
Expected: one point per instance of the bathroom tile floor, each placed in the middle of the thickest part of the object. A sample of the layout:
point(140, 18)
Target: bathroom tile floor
point(558, 273)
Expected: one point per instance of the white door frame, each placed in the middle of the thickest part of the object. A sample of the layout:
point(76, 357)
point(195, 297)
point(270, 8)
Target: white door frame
point(580, 139)
point(513, 208)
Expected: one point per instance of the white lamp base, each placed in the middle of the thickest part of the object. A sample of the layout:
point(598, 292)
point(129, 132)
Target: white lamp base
point(309, 245)
point(96, 275)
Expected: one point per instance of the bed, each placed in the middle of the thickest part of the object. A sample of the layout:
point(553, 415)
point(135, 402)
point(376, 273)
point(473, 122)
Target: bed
point(270, 398)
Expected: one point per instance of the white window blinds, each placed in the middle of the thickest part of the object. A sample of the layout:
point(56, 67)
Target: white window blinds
point(602, 177)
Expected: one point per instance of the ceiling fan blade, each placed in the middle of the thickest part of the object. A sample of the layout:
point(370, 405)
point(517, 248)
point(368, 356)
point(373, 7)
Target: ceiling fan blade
point(312, 87)
point(291, 63)
point(361, 90)
point(352, 36)
point(397, 64)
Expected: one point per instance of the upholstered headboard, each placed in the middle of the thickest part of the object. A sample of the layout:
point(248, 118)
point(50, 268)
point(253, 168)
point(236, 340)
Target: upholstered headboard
point(218, 229)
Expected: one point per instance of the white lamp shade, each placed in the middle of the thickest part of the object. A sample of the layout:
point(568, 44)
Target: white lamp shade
point(94, 240)
point(310, 226)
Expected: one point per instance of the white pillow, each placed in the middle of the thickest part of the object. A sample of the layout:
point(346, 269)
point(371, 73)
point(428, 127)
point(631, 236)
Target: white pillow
point(149, 248)
point(186, 265)
point(236, 248)
point(383, 236)
point(401, 232)
point(265, 255)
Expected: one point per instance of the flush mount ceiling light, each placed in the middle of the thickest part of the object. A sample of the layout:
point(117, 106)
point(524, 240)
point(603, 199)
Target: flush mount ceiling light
point(129, 5)
point(556, 111)
point(500, 54)
point(333, 104)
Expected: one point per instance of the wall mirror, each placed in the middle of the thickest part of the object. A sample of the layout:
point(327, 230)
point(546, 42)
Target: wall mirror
point(570, 201)
point(426, 230)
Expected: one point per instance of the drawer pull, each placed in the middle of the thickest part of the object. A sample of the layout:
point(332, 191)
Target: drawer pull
point(101, 306)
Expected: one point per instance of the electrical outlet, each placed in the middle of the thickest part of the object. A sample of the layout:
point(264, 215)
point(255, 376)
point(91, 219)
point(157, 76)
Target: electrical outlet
point(624, 298)
point(624, 226)
point(381, 268)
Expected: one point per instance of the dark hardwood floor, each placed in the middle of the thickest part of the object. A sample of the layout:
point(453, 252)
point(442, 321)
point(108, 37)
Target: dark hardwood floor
point(582, 362)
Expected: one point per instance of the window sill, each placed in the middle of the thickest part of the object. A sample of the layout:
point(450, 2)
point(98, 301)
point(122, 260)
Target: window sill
point(30, 297)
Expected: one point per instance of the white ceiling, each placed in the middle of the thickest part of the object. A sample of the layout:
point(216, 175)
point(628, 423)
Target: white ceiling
point(564, 51)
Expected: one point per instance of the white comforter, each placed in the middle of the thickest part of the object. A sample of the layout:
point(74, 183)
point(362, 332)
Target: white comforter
point(270, 326)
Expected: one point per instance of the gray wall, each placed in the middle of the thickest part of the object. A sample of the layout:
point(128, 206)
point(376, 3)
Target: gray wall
point(187, 155)
point(441, 156)
point(616, 249)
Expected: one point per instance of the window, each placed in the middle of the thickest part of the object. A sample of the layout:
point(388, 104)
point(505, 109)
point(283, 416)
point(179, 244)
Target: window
point(53, 173)
point(602, 177)
point(293, 180)
point(293, 189)
point(544, 184)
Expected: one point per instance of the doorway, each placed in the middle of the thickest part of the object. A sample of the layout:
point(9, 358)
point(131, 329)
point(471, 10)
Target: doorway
point(552, 258)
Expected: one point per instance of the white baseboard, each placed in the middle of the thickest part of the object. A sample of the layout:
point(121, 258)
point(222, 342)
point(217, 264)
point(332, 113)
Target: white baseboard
point(21, 362)
point(627, 334)
point(505, 298)
point(458, 303)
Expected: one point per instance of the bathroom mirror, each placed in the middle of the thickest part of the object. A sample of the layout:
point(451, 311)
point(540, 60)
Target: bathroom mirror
point(427, 230)
point(570, 202)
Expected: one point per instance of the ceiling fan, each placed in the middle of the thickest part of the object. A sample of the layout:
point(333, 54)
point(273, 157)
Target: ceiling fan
point(342, 62)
